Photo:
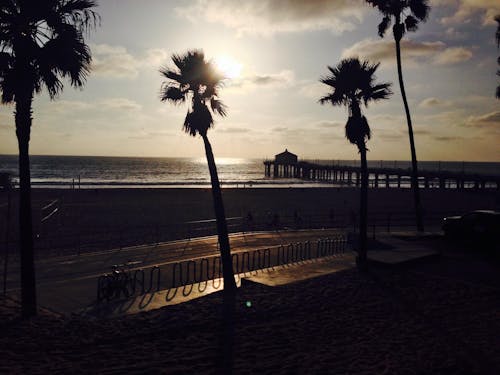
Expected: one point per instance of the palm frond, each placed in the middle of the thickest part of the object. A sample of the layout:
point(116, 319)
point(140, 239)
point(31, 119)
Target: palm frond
point(193, 76)
point(218, 107)
point(198, 120)
point(172, 94)
point(79, 13)
point(384, 25)
point(378, 92)
point(171, 74)
point(8, 85)
point(420, 9)
point(68, 55)
point(56, 48)
point(50, 80)
point(411, 23)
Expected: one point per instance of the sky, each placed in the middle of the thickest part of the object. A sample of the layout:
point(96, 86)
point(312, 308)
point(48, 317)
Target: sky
point(275, 52)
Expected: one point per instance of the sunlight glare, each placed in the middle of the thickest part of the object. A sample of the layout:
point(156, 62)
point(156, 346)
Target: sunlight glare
point(228, 66)
point(221, 161)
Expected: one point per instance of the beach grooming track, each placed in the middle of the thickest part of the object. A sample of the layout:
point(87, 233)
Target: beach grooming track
point(124, 282)
point(378, 177)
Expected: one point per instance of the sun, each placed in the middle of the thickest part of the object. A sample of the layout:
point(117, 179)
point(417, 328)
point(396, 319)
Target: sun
point(228, 66)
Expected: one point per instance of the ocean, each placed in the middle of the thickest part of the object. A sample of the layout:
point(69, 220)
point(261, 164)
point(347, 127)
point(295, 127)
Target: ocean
point(108, 172)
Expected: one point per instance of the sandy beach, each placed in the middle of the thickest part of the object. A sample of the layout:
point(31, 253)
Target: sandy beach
point(413, 322)
point(105, 218)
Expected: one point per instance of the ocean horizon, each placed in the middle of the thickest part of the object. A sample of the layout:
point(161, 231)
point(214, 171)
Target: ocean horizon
point(162, 172)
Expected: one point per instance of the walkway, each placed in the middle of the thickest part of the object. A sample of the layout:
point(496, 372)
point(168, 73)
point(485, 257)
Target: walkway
point(69, 284)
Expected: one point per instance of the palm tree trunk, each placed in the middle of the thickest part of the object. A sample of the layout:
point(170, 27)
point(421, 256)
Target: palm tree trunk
point(414, 175)
point(363, 208)
point(23, 128)
point(220, 215)
point(229, 296)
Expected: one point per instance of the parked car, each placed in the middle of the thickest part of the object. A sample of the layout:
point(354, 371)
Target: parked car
point(480, 225)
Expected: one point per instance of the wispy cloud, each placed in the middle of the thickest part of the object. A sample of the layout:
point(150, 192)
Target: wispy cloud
point(71, 106)
point(121, 104)
point(267, 17)
point(234, 130)
point(433, 102)
point(253, 81)
point(453, 56)
point(465, 10)
point(414, 52)
point(116, 62)
point(487, 120)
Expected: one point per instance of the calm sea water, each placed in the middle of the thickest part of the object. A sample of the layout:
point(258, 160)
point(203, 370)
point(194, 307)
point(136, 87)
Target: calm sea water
point(91, 172)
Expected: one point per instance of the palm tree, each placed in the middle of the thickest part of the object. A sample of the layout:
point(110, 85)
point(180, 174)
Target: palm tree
point(497, 37)
point(353, 84)
point(405, 16)
point(195, 80)
point(41, 42)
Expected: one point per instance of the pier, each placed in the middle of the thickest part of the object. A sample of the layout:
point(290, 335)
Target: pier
point(286, 165)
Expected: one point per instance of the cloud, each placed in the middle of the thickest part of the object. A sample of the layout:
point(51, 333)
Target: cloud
point(234, 130)
point(314, 90)
point(465, 10)
point(143, 134)
point(387, 135)
point(328, 124)
point(72, 106)
point(116, 62)
point(121, 104)
point(282, 78)
point(433, 103)
point(113, 61)
point(414, 52)
point(266, 17)
point(445, 138)
point(422, 132)
point(489, 120)
point(62, 106)
point(453, 56)
point(279, 129)
point(250, 82)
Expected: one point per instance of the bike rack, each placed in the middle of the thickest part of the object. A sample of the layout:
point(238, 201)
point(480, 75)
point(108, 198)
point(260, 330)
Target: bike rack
point(123, 281)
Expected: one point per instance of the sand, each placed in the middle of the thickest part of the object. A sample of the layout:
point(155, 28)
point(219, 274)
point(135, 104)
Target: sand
point(407, 322)
point(89, 220)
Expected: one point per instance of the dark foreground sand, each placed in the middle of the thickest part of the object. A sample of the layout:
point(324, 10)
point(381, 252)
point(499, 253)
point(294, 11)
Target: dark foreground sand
point(408, 322)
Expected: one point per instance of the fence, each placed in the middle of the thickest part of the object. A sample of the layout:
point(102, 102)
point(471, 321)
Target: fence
point(125, 282)
point(51, 242)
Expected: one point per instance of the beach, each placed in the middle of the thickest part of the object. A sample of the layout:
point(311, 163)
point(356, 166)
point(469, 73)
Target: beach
point(392, 322)
point(94, 208)
point(418, 321)
point(99, 219)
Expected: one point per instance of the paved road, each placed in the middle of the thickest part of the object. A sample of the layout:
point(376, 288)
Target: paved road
point(69, 283)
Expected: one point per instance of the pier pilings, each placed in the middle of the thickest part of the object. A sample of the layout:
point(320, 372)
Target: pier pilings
point(379, 177)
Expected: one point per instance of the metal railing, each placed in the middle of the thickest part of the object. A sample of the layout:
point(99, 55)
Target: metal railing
point(124, 282)
point(58, 242)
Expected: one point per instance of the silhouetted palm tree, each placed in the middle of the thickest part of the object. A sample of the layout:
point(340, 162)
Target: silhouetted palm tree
point(40, 42)
point(197, 81)
point(353, 84)
point(405, 16)
point(497, 37)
